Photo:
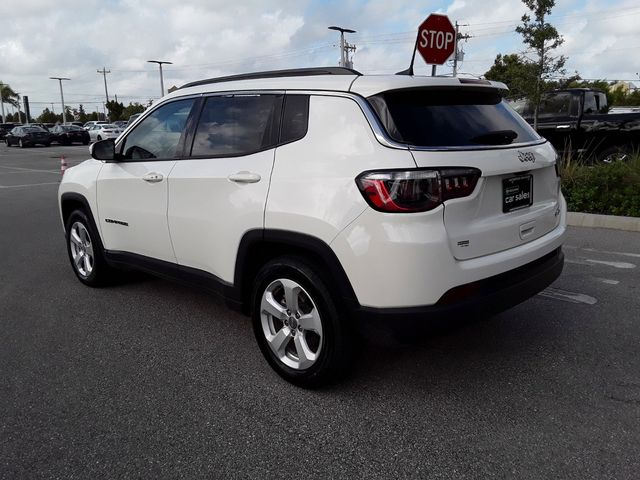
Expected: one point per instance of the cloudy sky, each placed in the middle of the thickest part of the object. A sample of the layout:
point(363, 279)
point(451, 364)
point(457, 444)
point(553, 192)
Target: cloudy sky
point(206, 38)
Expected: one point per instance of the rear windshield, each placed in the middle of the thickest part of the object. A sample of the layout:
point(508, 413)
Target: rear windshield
point(450, 118)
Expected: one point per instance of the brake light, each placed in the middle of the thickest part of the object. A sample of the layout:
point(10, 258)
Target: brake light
point(410, 191)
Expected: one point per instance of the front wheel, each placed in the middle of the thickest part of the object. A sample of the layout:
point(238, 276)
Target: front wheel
point(297, 324)
point(86, 252)
point(98, 138)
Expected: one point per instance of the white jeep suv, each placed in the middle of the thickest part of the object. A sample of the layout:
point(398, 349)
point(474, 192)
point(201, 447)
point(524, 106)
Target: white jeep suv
point(319, 198)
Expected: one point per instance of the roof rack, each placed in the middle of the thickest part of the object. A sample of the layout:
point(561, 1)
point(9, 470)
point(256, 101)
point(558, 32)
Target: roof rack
point(294, 72)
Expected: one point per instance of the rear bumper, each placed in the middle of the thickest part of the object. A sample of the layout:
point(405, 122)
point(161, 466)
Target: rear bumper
point(484, 297)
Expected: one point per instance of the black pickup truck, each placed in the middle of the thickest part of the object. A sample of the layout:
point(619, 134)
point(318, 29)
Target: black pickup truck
point(576, 120)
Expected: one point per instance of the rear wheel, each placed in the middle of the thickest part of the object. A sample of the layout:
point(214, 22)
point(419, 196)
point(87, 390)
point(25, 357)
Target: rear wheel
point(86, 252)
point(297, 324)
point(620, 153)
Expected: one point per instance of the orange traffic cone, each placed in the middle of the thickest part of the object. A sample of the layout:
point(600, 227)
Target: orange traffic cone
point(63, 165)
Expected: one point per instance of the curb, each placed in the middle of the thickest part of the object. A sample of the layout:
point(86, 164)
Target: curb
point(630, 224)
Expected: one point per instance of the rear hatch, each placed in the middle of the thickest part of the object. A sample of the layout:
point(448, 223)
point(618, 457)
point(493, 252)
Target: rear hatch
point(516, 199)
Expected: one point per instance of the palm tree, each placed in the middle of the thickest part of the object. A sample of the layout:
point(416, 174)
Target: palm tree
point(8, 95)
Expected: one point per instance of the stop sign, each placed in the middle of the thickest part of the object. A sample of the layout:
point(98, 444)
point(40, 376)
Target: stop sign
point(436, 39)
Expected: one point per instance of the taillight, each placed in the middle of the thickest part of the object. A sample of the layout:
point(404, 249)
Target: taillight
point(410, 191)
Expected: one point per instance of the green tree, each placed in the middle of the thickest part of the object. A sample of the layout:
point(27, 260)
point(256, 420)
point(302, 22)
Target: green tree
point(115, 110)
point(82, 115)
point(542, 38)
point(131, 109)
point(515, 72)
point(8, 95)
point(47, 116)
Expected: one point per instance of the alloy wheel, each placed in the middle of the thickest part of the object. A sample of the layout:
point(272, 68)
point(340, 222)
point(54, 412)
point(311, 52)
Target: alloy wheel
point(291, 324)
point(81, 249)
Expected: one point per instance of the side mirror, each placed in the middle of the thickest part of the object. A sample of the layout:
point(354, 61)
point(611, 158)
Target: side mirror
point(103, 149)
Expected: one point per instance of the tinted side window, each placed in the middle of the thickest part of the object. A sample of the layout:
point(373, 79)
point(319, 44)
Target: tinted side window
point(158, 136)
point(237, 125)
point(295, 119)
point(557, 104)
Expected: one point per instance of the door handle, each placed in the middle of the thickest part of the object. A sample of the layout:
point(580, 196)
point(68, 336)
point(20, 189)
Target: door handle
point(563, 127)
point(244, 177)
point(153, 177)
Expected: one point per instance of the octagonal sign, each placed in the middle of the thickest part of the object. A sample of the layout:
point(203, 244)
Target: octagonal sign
point(436, 39)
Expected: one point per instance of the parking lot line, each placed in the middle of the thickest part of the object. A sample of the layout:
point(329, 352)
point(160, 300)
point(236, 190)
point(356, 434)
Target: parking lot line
point(565, 296)
point(28, 185)
point(31, 169)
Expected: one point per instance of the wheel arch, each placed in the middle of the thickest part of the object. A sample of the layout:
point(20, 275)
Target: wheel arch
point(257, 247)
point(71, 201)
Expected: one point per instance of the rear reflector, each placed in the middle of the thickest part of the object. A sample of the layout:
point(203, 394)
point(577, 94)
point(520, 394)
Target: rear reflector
point(417, 190)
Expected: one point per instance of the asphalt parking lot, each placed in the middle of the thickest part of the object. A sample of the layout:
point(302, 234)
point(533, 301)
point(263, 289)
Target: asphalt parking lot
point(151, 380)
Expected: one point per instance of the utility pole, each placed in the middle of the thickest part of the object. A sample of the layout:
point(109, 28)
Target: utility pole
point(345, 47)
point(64, 110)
point(160, 62)
point(104, 72)
point(457, 54)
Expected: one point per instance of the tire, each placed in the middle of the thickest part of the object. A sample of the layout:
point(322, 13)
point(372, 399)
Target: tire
point(86, 252)
point(619, 153)
point(98, 138)
point(85, 142)
point(307, 343)
point(48, 144)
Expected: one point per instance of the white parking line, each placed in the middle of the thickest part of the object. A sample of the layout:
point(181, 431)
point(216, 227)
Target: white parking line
point(625, 254)
point(593, 250)
point(624, 265)
point(31, 170)
point(607, 281)
point(28, 185)
point(571, 297)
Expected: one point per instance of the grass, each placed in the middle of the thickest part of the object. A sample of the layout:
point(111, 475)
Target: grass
point(608, 189)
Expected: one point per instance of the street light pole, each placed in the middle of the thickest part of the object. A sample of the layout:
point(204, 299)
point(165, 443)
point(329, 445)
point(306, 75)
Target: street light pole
point(19, 114)
point(4, 119)
point(344, 56)
point(160, 62)
point(64, 110)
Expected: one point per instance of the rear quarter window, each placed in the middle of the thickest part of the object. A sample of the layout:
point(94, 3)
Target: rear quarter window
point(450, 118)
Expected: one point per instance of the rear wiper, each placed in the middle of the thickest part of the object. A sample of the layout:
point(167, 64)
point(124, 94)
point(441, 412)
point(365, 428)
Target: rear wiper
point(497, 137)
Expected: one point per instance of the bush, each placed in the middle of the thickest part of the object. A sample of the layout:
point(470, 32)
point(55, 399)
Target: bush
point(608, 189)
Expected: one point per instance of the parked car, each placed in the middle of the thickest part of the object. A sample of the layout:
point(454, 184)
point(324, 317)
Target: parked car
point(121, 124)
point(5, 128)
point(78, 124)
point(91, 123)
point(318, 199)
point(28, 136)
point(68, 134)
point(577, 121)
point(133, 118)
point(102, 131)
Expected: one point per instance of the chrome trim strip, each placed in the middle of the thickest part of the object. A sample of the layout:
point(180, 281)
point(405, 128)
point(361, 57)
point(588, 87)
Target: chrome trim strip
point(385, 140)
